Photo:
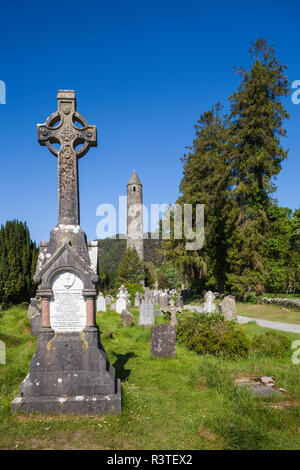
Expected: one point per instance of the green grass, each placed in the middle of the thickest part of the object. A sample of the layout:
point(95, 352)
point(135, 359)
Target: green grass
point(186, 402)
point(268, 312)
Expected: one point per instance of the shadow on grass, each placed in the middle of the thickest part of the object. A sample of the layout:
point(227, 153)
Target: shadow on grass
point(119, 364)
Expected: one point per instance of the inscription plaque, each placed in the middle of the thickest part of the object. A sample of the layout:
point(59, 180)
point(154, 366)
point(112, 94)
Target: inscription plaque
point(67, 306)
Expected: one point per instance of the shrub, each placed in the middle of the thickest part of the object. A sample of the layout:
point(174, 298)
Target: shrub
point(271, 344)
point(212, 334)
point(132, 289)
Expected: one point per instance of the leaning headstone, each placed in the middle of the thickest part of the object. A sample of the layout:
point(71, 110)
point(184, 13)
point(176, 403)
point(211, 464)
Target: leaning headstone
point(228, 308)
point(69, 372)
point(163, 341)
point(35, 316)
point(146, 314)
point(127, 319)
point(100, 303)
point(209, 304)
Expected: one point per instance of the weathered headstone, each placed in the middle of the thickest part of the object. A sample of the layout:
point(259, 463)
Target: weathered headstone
point(69, 372)
point(34, 314)
point(146, 314)
point(127, 319)
point(228, 308)
point(100, 303)
point(163, 341)
point(137, 300)
point(121, 305)
point(209, 304)
point(109, 300)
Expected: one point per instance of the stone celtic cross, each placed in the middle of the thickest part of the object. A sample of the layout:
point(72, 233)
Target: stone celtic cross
point(60, 128)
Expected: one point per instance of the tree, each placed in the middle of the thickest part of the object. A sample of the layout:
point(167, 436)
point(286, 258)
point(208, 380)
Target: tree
point(18, 257)
point(206, 180)
point(131, 268)
point(255, 154)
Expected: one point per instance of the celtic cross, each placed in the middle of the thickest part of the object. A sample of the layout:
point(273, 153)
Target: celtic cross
point(60, 128)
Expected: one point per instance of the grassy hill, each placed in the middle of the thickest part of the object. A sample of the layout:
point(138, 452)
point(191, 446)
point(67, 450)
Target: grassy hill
point(112, 250)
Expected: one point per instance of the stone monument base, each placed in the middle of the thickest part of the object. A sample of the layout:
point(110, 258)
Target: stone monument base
point(69, 373)
point(81, 404)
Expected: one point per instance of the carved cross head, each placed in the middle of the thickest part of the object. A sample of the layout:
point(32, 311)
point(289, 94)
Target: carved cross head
point(61, 128)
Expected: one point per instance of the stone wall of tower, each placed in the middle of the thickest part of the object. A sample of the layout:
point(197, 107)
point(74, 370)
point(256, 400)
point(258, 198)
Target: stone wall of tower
point(135, 216)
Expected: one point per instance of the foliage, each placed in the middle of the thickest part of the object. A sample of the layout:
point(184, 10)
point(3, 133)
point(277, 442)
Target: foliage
point(132, 289)
point(18, 257)
point(131, 268)
point(212, 334)
point(170, 276)
point(111, 252)
point(250, 242)
point(271, 344)
point(150, 274)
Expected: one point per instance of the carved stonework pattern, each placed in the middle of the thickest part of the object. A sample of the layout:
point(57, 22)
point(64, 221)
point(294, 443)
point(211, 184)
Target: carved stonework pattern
point(67, 182)
point(67, 134)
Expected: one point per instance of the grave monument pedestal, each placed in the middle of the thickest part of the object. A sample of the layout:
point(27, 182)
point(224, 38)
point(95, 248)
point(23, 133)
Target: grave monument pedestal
point(69, 372)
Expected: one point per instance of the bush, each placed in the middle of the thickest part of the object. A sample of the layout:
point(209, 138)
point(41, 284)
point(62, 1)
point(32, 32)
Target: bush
point(271, 344)
point(132, 289)
point(212, 334)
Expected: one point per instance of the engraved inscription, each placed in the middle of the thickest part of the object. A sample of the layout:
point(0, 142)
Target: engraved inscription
point(67, 306)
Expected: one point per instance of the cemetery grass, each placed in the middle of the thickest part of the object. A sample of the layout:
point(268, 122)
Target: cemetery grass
point(186, 402)
point(269, 312)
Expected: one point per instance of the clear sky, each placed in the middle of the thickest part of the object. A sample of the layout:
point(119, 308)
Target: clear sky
point(143, 73)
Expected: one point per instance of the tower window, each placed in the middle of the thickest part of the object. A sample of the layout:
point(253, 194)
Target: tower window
point(134, 188)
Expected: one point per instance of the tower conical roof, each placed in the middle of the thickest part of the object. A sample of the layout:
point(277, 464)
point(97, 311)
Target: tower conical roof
point(134, 179)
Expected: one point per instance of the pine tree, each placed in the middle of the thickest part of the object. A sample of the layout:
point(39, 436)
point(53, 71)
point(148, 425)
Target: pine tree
point(256, 154)
point(131, 268)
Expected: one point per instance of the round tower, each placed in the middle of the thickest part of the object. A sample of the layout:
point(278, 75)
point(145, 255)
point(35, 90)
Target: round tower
point(135, 215)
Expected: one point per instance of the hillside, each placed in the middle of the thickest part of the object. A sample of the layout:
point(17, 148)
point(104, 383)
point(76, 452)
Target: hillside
point(111, 252)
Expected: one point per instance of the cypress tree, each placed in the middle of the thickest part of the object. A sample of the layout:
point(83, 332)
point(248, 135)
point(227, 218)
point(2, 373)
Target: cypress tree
point(18, 257)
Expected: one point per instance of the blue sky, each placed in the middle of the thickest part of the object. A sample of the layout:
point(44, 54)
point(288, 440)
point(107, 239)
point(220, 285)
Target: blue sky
point(143, 73)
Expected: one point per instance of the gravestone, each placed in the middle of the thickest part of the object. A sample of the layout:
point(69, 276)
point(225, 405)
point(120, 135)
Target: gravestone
point(209, 304)
point(34, 314)
point(69, 372)
point(113, 307)
point(157, 312)
point(121, 304)
point(228, 308)
point(137, 300)
point(172, 309)
point(100, 304)
point(163, 299)
point(127, 319)
point(146, 313)
point(109, 300)
point(163, 341)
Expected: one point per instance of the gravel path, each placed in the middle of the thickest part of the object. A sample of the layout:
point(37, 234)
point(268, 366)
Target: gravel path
point(275, 325)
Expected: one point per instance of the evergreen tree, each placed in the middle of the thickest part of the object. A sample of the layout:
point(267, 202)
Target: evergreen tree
point(18, 257)
point(206, 180)
point(256, 154)
point(131, 268)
